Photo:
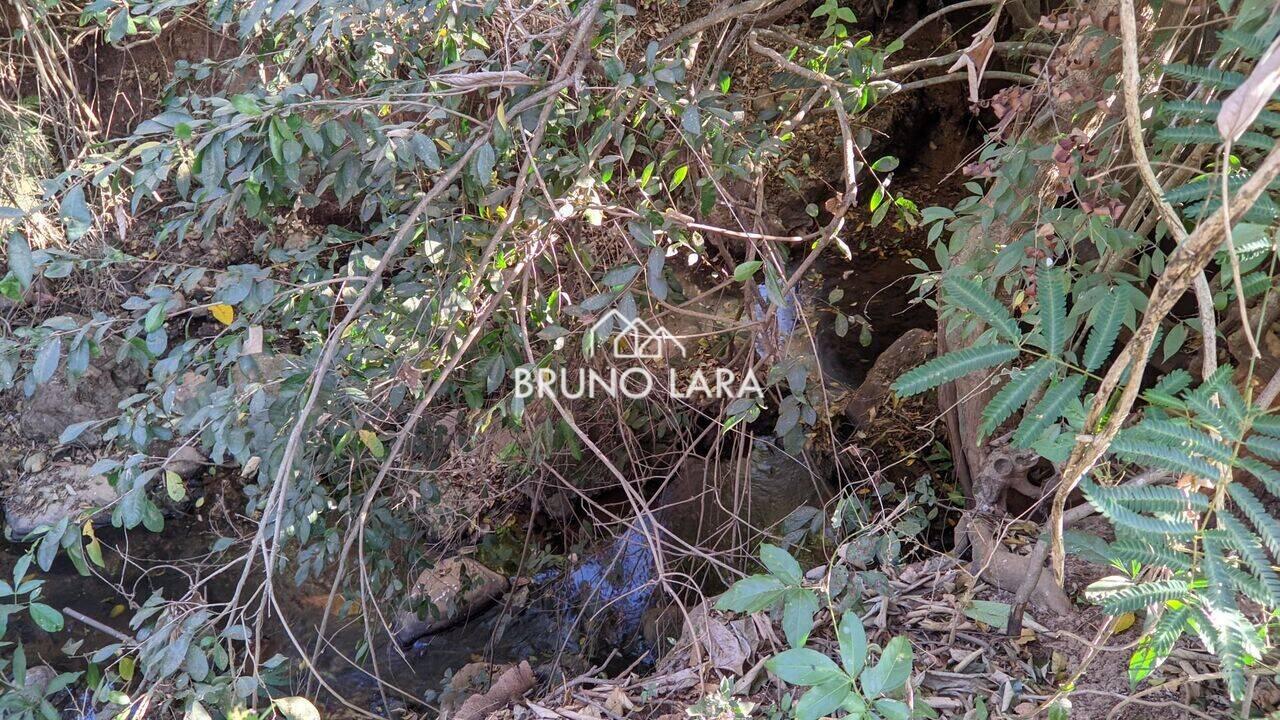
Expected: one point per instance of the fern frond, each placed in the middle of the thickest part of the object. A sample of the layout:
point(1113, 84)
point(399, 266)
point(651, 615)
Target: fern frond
point(1268, 527)
point(1249, 45)
point(1264, 446)
point(1269, 476)
point(1156, 499)
point(1131, 550)
point(1174, 383)
point(1145, 452)
point(1048, 410)
point(1120, 515)
point(1137, 597)
point(1154, 648)
point(972, 297)
point(1184, 436)
point(1201, 403)
point(1267, 424)
point(1106, 327)
point(1213, 77)
point(1209, 111)
point(1051, 287)
point(951, 366)
point(1014, 395)
point(1248, 585)
point(1213, 563)
point(1207, 134)
point(1251, 552)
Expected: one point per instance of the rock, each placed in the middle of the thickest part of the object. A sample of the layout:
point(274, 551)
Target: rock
point(93, 396)
point(714, 506)
point(911, 349)
point(59, 491)
point(449, 593)
point(37, 680)
point(186, 461)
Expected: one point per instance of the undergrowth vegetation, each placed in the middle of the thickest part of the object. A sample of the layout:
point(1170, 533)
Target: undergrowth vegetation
point(331, 247)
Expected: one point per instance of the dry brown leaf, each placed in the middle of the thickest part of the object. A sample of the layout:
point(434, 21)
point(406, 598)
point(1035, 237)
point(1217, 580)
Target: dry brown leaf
point(975, 57)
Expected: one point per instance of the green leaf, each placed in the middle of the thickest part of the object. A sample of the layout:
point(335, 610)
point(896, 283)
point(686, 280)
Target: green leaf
point(691, 120)
point(891, 709)
point(1106, 327)
point(246, 105)
point(822, 700)
point(798, 610)
point(803, 666)
point(951, 366)
point(74, 431)
point(174, 486)
point(1053, 309)
point(73, 210)
point(1014, 395)
point(20, 262)
point(891, 672)
point(853, 643)
point(1047, 411)
point(49, 619)
point(47, 358)
point(483, 162)
point(744, 271)
point(972, 297)
point(989, 612)
point(781, 565)
point(751, 594)
point(155, 317)
point(370, 440)
point(678, 176)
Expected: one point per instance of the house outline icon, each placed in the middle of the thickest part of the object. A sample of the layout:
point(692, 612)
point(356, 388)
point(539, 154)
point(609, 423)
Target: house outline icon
point(646, 341)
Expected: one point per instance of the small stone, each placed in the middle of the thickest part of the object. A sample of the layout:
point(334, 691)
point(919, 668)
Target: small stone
point(35, 462)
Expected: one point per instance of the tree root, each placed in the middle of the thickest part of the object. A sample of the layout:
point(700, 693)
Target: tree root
point(1007, 570)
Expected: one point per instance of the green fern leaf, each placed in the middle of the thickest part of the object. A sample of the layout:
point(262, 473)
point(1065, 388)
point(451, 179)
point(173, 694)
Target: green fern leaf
point(1268, 528)
point(1249, 45)
point(1154, 648)
point(1051, 287)
point(1106, 327)
point(1145, 498)
point(1264, 446)
point(1014, 395)
point(1141, 451)
point(1213, 77)
point(1138, 550)
point(1191, 108)
point(1251, 551)
point(1137, 597)
point(1215, 416)
point(951, 366)
point(1174, 383)
point(1184, 436)
point(1267, 424)
point(1269, 476)
point(1048, 410)
point(1207, 134)
point(972, 297)
point(1120, 515)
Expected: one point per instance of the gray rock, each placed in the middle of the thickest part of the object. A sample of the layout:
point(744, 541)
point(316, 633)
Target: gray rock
point(94, 396)
point(450, 592)
point(59, 491)
point(186, 461)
